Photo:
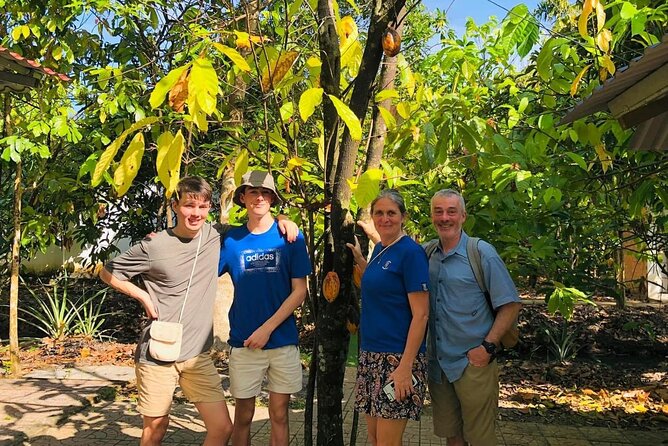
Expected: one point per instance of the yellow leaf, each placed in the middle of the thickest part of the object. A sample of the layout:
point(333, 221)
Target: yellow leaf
point(603, 156)
point(244, 39)
point(603, 40)
point(174, 155)
point(202, 86)
point(110, 152)
point(295, 162)
point(162, 163)
point(129, 165)
point(234, 56)
point(578, 78)
point(390, 121)
point(607, 63)
point(600, 15)
point(587, 8)
point(240, 166)
point(16, 33)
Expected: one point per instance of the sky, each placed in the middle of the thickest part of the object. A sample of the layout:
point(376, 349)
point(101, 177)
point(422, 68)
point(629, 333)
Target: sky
point(480, 10)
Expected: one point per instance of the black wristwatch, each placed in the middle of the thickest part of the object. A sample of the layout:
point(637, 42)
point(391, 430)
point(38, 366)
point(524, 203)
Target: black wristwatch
point(490, 348)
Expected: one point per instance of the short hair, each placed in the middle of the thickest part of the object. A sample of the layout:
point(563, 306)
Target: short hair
point(446, 193)
point(391, 194)
point(193, 187)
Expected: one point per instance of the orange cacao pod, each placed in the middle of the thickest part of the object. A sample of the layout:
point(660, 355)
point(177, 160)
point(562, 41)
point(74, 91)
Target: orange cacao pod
point(352, 328)
point(357, 276)
point(391, 42)
point(331, 286)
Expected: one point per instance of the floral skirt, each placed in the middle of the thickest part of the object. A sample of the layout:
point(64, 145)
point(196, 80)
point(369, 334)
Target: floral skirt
point(373, 370)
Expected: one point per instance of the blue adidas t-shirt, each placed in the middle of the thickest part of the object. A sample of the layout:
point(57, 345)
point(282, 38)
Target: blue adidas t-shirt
point(386, 313)
point(262, 267)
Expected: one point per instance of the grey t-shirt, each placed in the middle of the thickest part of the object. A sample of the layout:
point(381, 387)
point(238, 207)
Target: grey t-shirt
point(165, 262)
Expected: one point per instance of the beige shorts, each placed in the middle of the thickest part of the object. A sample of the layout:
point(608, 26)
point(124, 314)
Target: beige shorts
point(467, 406)
point(248, 367)
point(197, 377)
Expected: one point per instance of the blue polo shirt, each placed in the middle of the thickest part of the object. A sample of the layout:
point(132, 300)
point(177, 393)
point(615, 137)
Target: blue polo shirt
point(388, 278)
point(459, 316)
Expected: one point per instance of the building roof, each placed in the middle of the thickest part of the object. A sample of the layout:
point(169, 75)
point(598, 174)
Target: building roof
point(19, 74)
point(637, 96)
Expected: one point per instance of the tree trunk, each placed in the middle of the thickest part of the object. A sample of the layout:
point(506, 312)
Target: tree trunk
point(14, 358)
point(332, 337)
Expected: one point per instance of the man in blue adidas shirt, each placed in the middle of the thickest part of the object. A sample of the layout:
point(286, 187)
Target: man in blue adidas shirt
point(269, 276)
point(463, 332)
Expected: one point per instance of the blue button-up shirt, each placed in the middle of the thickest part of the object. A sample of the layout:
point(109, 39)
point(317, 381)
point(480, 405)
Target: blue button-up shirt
point(459, 316)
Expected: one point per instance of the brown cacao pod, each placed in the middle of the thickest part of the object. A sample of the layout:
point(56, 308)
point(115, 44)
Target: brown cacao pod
point(391, 42)
point(357, 276)
point(331, 286)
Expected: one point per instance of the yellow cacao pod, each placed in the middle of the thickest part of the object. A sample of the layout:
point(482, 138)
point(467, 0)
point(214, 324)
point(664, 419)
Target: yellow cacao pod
point(357, 275)
point(278, 70)
point(331, 286)
point(391, 42)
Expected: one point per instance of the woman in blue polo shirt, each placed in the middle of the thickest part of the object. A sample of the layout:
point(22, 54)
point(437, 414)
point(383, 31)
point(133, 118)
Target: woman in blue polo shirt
point(395, 305)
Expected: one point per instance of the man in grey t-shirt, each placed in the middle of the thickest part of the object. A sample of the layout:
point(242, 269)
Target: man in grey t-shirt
point(165, 263)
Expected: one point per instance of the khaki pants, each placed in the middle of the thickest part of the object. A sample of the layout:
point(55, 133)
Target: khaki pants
point(467, 407)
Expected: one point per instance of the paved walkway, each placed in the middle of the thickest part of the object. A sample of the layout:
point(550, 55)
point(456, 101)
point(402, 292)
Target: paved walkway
point(63, 407)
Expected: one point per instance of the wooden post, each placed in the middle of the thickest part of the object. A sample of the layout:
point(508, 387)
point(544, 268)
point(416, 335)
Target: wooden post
point(14, 358)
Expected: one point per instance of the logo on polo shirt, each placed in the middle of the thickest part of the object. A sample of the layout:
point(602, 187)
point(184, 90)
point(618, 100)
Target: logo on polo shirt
point(424, 286)
point(387, 264)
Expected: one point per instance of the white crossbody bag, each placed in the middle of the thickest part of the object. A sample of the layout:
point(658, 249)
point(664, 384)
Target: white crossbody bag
point(165, 342)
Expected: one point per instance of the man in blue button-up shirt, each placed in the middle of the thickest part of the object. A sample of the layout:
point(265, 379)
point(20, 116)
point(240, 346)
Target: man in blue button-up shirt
point(463, 332)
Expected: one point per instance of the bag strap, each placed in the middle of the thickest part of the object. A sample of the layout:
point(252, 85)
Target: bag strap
point(473, 253)
point(192, 272)
point(430, 247)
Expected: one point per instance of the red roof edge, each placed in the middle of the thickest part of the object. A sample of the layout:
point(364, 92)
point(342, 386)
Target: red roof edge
point(31, 64)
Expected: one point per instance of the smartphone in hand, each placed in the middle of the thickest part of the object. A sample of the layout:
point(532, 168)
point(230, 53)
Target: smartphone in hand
point(388, 388)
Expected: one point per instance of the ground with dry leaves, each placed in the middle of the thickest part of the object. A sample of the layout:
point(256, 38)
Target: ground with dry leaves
point(617, 375)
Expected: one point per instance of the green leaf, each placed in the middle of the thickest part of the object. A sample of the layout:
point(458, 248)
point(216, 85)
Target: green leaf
point(286, 111)
point(552, 193)
point(368, 187)
point(628, 11)
point(520, 29)
point(236, 58)
point(164, 85)
point(545, 57)
point(349, 118)
point(577, 159)
point(308, 101)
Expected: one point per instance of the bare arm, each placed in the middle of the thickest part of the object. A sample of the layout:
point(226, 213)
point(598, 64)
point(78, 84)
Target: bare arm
point(369, 230)
point(402, 375)
point(130, 289)
point(505, 316)
point(260, 337)
point(287, 227)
